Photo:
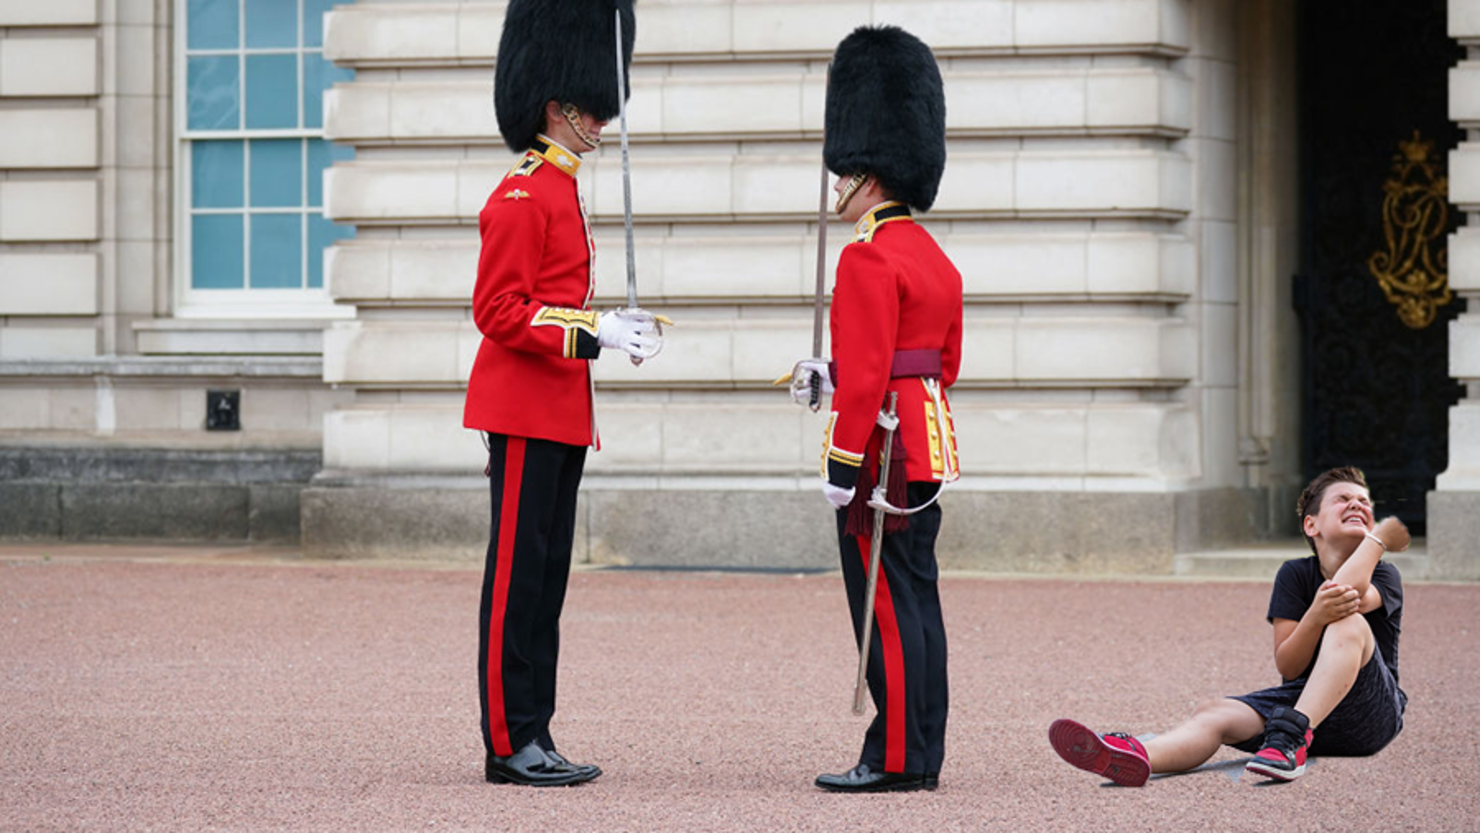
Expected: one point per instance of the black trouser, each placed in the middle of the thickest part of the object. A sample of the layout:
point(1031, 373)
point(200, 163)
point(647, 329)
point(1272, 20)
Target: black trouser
point(533, 484)
point(907, 652)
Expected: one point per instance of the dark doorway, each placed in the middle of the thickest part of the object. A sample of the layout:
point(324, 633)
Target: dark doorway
point(1376, 390)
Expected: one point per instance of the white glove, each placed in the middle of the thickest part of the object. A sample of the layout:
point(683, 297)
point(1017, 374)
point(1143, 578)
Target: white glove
point(801, 379)
point(837, 495)
point(634, 332)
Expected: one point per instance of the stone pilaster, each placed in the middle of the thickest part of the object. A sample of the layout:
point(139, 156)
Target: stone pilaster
point(1454, 505)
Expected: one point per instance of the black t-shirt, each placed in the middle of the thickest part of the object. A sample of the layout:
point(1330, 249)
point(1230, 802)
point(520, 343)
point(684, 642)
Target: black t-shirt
point(1295, 587)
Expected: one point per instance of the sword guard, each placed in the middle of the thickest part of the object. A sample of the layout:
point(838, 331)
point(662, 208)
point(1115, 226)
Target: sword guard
point(878, 502)
point(888, 421)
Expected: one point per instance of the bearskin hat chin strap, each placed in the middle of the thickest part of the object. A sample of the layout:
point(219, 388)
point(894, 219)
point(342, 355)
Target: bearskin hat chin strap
point(848, 191)
point(572, 115)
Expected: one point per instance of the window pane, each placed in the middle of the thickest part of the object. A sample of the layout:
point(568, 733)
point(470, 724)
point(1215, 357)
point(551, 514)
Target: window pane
point(277, 172)
point(321, 154)
point(212, 24)
point(272, 24)
point(216, 174)
point(212, 99)
point(216, 251)
point(277, 251)
point(319, 75)
point(313, 21)
point(272, 91)
point(321, 234)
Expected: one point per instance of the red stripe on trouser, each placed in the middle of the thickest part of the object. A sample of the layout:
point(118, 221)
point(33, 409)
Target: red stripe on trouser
point(508, 524)
point(889, 644)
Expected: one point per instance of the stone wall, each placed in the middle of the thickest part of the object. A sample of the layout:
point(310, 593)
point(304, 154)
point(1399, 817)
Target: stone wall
point(1089, 200)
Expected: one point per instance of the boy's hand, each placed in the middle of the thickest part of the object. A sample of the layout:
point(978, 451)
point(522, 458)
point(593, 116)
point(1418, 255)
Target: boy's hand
point(1333, 603)
point(1393, 534)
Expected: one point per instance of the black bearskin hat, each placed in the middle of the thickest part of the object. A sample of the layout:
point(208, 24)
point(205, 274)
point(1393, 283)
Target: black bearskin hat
point(561, 50)
point(886, 113)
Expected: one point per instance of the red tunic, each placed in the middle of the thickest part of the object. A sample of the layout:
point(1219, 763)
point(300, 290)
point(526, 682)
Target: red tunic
point(896, 290)
point(532, 376)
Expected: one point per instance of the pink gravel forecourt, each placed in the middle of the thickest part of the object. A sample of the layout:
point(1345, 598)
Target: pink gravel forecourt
point(169, 688)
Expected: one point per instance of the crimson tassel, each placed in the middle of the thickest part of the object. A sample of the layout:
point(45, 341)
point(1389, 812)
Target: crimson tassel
point(896, 491)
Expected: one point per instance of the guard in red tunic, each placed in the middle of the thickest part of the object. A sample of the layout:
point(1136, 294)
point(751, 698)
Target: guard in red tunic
point(555, 87)
point(896, 327)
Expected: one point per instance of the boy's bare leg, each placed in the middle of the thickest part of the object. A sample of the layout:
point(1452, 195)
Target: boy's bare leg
point(1346, 647)
point(1192, 743)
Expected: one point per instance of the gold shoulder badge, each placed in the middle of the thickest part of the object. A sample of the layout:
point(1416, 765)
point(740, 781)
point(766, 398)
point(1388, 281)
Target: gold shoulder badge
point(528, 165)
point(516, 194)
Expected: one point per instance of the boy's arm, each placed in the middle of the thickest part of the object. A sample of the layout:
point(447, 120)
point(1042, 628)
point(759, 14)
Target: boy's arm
point(1295, 641)
point(1356, 573)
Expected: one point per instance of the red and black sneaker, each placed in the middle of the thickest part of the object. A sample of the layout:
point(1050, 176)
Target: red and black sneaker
point(1287, 735)
point(1117, 756)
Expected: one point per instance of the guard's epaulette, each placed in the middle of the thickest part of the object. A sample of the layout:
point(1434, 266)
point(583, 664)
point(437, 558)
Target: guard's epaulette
point(869, 223)
point(528, 164)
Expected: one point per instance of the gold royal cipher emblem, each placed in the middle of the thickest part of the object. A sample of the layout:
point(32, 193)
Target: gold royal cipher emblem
point(1413, 270)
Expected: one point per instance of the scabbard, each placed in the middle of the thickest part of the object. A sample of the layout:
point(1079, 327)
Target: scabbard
point(876, 554)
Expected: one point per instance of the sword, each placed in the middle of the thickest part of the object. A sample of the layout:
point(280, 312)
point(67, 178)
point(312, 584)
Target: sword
point(878, 500)
point(626, 176)
point(814, 398)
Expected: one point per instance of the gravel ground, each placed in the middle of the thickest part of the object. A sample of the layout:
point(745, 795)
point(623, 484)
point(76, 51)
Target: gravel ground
point(153, 689)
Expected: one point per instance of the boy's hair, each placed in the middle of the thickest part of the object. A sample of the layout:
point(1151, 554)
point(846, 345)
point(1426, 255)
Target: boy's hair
point(1310, 499)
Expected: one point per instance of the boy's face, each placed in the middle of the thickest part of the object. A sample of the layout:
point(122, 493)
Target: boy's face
point(1345, 515)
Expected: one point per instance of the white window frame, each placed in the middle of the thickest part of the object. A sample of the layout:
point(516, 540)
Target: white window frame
point(189, 302)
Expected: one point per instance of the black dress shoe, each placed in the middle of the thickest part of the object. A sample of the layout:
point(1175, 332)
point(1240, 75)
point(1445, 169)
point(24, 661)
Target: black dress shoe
point(861, 779)
point(591, 770)
point(531, 767)
point(932, 780)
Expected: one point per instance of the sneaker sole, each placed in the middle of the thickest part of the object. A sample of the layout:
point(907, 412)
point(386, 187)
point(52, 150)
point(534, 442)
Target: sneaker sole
point(1273, 772)
point(1084, 749)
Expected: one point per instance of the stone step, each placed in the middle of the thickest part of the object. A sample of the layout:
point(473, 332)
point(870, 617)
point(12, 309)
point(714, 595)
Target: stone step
point(1263, 561)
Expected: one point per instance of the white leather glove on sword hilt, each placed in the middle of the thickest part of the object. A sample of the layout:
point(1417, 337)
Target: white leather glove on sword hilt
point(801, 379)
point(635, 332)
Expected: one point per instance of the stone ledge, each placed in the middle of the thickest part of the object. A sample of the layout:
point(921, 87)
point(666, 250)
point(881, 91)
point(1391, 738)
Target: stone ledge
point(784, 104)
point(103, 464)
point(135, 511)
point(87, 493)
point(467, 34)
point(779, 267)
point(1124, 183)
point(141, 366)
point(1262, 562)
point(1020, 532)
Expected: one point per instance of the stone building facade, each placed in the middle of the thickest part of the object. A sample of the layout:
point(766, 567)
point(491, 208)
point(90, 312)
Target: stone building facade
point(1121, 198)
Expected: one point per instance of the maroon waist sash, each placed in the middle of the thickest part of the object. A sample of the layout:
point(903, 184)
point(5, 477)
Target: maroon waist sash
point(907, 363)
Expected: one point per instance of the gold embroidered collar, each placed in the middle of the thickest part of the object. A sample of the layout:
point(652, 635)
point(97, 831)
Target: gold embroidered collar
point(885, 212)
point(547, 149)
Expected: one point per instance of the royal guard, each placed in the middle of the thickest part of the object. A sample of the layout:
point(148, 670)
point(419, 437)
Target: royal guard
point(896, 337)
point(556, 85)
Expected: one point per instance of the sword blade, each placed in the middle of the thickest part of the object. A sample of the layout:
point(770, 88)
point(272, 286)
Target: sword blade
point(626, 170)
point(814, 399)
point(818, 300)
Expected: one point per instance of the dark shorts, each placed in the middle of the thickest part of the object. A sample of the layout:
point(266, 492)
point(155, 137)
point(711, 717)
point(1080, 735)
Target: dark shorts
point(1363, 723)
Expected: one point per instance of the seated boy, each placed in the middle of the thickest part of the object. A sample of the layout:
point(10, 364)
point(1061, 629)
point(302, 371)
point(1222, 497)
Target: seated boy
point(1340, 694)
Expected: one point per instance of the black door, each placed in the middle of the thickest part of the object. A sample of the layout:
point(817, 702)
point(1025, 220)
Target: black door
point(1376, 386)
